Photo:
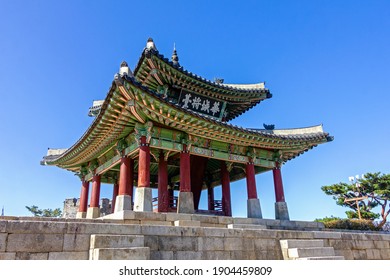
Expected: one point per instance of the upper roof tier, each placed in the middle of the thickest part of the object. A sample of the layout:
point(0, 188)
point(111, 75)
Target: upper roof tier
point(170, 79)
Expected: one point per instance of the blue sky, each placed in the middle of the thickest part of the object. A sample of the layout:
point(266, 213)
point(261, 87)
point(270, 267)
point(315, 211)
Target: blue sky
point(324, 62)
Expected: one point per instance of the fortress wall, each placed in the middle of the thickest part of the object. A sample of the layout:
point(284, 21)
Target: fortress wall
point(45, 238)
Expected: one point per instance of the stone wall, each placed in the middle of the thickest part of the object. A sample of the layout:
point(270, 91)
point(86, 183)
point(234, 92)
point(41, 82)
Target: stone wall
point(54, 239)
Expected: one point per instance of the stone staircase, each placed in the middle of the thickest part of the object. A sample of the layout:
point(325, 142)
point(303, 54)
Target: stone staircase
point(307, 249)
point(118, 247)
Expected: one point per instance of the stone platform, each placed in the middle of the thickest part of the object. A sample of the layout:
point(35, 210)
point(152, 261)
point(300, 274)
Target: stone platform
point(141, 235)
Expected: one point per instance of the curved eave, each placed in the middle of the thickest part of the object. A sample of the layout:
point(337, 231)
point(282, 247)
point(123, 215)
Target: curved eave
point(240, 97)
point(112, 123)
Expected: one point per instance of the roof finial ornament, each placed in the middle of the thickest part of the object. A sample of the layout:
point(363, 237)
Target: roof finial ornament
point(150, 44)
point(124, 70)
point(175, 58)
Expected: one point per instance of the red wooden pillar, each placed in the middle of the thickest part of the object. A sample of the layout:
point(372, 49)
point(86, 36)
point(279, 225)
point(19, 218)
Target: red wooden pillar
point(186, 197)
point(253, 207)
point(83, 199)
point(125, 176)
point(163, 196)
point(95, 196)
point(210, 195)
point(185, 171)
point(251, 180)
point(226, 200)
point(144, 164)
point(278, 184)
point(114, 195)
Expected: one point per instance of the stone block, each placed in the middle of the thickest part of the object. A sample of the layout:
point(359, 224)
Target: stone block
point(385, 237)
point(81, 215)
point(281, 211)
point(347, 254)
point(243, 221)
point(292, 234)
point(216, 255)
point(234, 232)
point(185, 203)
point(248, 244)
point(140, 253)
point(254, 208)
point(242, 255)
point(101, 228)
point(31, 256)
point(301, 243)
point(224, 220)
point(265, 234)
point(212, 225)
point(119, 215)
point(362, 244)
point(270, 222)
point(35, 242)
point(45, 227)
point(160, 230)
point(116, 241)
point(149, 216)
point(247, 226)
point(373, 254)
point(187, 255)
point(170, 217)
point(151, 241)
point(177, 243)
point(123, 202)
point(217, 232)
point(210, 244)
point(191, 231)
point(382, 244)
point(76, 242)
point(7, 256)
point(339, 244)
point(205, 219)
point(143, 200)
point(327, 234)
point(186, 223)
point(310, 252)
point(266, 244)
point(385, 254)
point(3, 241)
point(68, 255)
point(261, 255)
point(359, 254)
point(156, 223)
point(309, 225)
point(132, 222)
point(3, 226)
point(93, 212)
point(233, 244)
point(374, 237)
point(161, 255)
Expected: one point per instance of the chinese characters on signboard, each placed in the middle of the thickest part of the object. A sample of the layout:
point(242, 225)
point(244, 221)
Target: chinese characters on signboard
point(201, 104)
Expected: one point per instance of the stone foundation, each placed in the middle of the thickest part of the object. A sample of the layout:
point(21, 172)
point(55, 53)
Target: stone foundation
point(161, 236)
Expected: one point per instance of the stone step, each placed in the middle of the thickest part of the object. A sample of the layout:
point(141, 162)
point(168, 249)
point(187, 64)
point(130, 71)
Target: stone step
point(295, 253)
point(323, 258)
point(99, 241)
point(301, 243)
point(136, 253)
point(247, 226)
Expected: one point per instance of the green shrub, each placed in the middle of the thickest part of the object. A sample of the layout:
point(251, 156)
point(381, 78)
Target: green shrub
point(350, 224)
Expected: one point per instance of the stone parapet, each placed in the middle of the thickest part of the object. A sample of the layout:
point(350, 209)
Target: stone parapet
point(157, 238)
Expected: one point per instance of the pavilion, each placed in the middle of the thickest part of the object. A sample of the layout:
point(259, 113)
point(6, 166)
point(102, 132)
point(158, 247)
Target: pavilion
point(164, 127)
